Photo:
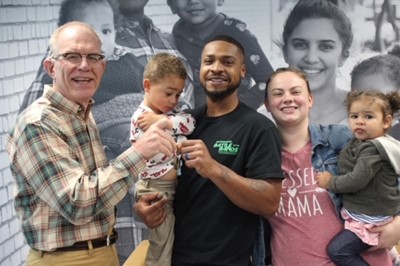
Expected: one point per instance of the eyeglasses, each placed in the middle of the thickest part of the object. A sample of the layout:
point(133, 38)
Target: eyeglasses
point(76, 58)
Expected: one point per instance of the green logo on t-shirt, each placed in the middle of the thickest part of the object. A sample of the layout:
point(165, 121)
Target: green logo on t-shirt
point(226, 147)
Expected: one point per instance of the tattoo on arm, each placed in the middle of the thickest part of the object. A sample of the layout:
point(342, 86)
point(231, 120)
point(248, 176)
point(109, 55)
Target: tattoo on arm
point(224, 173)
point(256, 185)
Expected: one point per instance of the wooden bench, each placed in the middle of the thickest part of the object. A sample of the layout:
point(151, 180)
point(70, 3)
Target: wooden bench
point(138, 256)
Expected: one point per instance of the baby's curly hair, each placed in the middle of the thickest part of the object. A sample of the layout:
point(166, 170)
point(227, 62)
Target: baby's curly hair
point(390, 102)
point(162, 65)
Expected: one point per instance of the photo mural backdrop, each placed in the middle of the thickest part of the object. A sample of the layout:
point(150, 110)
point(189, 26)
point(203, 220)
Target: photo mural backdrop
point(326, 49)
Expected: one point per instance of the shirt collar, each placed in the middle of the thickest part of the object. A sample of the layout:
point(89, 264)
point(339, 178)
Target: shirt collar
point(62, 103)
point(316, 135)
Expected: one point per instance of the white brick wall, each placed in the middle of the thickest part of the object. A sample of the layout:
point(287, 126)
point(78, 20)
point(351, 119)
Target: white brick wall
point(25, 26)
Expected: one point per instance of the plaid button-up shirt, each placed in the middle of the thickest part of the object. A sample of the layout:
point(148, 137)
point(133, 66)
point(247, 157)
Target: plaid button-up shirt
point(65, 191)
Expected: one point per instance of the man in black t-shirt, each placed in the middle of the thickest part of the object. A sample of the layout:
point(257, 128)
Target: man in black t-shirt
point(232, 169)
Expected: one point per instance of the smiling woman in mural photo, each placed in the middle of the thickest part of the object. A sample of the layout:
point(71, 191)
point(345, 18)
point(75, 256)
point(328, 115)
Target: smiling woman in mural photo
point(317, 36)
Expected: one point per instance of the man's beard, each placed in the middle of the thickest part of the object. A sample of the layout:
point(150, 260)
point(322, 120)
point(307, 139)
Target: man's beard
point(217, 96)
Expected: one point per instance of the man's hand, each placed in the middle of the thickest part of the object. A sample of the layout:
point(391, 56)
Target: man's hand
point(323, 179)
point(196, 155)
point(156, 140)
point(389, 234)
point(150, 208)
point(147, 119)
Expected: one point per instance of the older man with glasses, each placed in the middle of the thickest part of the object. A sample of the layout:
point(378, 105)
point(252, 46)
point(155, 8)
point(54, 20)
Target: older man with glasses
point(120, 91)
point(66, 191)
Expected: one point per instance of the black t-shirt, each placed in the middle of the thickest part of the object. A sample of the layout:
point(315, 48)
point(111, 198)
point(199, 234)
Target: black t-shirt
point(209, 228)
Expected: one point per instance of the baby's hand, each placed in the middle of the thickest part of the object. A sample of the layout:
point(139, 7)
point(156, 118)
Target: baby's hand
point(147, 119)
point(323, 179)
